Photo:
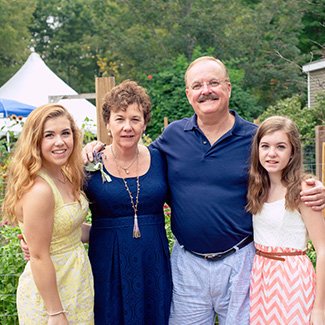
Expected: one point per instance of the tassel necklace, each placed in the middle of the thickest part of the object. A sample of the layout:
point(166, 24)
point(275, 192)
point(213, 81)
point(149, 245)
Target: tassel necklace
point(136, 230)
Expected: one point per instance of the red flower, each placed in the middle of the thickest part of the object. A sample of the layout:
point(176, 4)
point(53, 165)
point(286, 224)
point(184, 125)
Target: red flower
point(167, 210)
point(149, 77)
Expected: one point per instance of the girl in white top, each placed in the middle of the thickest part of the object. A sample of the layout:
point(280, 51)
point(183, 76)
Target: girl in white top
point(284, 287)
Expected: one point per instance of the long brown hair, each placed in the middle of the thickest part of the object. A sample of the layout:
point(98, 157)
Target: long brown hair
point(26, 160)
point(292, 175)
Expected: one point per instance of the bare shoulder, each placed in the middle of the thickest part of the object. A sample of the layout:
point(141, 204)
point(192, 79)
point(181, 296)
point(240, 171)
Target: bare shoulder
point(39, 193)
point(144, 153)
point(143, 149)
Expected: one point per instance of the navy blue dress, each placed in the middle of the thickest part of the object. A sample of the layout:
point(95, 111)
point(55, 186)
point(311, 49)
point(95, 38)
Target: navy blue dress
point(132, 276)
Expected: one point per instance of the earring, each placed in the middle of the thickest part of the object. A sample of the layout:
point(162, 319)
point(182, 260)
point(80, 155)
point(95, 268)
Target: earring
point(109, 133)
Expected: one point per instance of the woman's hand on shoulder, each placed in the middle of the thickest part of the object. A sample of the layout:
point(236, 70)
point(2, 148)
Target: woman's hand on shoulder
point(313, 194)
point(89, 149)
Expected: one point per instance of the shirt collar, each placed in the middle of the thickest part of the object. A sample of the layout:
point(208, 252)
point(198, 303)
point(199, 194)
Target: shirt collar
point(191, 123)
point(237, 129)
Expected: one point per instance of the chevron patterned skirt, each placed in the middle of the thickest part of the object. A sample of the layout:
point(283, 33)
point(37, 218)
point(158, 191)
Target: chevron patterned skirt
point(281, 292)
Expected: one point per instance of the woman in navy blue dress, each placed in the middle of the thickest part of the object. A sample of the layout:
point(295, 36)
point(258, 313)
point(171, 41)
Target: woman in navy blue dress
point(128, 247)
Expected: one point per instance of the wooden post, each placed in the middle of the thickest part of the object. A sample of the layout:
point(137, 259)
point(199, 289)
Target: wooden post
point(320, 152)
point(165, 122)
point(102, 86)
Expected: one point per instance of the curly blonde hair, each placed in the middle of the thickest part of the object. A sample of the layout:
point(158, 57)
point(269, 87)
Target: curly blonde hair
point(292, 174)
point(26, 159)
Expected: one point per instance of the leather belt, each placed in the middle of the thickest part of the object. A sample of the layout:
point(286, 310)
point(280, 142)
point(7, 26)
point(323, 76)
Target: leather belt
point(222, 255)
point(277, 255)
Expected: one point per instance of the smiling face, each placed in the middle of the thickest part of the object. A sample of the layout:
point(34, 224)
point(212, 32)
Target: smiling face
point(127, 126)
point(275, 152)
point(57, 142)
point(208, 88)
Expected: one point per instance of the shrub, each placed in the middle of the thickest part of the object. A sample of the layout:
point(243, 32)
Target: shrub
point(11, 266)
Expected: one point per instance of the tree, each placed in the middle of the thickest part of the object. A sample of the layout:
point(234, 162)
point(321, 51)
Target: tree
point(15, 17)
point(131, 38)
point(269, 40)
point(167, 92)
point(143, 39)
point(129, 32)
point(60, 32)
point(312, 36)
point(305, 118)
point(242, 100)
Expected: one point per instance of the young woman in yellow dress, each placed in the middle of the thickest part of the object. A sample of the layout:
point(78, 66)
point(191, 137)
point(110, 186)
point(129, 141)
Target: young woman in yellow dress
point(44, 197)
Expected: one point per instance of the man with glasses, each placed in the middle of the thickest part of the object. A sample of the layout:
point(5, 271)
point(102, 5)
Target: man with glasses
point(207, 157)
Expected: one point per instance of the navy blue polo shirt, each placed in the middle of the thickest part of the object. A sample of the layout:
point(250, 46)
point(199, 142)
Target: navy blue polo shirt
point(208, 184)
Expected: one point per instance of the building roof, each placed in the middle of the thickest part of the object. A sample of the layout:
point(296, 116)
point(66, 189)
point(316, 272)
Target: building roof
point(313, 66)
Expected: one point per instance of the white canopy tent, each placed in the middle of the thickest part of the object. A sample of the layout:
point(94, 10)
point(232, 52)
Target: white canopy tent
point(34, 82)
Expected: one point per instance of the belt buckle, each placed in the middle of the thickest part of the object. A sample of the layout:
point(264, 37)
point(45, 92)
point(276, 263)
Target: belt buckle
point(212, 256)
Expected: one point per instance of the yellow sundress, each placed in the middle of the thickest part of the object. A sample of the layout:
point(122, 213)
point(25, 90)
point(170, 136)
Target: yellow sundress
point(73, 270)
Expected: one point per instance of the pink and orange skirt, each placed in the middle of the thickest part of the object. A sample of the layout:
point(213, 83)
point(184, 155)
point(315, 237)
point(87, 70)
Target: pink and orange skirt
point(282, 288)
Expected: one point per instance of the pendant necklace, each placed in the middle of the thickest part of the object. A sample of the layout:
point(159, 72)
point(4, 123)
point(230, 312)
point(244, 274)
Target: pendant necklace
point(126, 169)
point(136, 230)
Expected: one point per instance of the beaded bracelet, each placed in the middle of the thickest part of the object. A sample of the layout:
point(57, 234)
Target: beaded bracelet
point(57, 313)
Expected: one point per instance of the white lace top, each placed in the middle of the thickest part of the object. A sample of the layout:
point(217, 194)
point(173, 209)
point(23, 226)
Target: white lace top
point(276, 226)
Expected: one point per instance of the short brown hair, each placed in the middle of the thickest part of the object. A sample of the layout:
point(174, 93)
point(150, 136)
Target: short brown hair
point(121, 96)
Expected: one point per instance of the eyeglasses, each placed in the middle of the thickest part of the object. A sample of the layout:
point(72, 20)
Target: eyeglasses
point(214, 83)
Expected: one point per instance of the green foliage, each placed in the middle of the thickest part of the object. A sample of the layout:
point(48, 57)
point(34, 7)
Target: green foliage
point(88, 128)
point(167, 92)
point(311, 253)
point(269, 41)
point(11, 265)
point(312, 36)
point(6, 142)
point(170, 236)
point(83, 38)
point(266, 40)
point(305, 118)
point(61, 31)
point(319, 108)
point(242, 100)
point(15, 17)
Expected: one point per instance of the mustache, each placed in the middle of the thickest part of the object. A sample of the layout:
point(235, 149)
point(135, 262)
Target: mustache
point(203, 98)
